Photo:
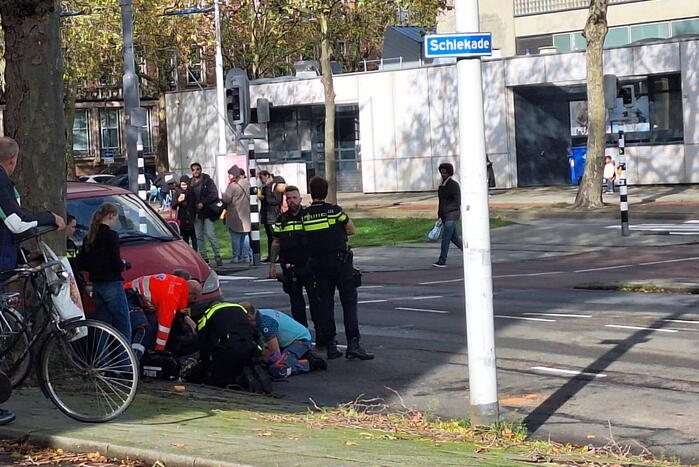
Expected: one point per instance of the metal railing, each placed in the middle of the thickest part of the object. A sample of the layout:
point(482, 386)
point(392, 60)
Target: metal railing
point(537, 7)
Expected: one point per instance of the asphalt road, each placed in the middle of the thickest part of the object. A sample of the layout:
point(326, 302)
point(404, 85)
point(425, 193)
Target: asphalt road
point(576, 365)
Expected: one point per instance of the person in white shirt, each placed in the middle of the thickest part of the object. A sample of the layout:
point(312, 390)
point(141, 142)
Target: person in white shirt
point(609, 174)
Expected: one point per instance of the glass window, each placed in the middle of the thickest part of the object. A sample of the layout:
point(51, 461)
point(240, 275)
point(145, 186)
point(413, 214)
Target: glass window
point(579, 42)
point(562, 42)
point(666, 108)
point(195, 69)
point(530, 45)
point(146, 134)
point(617, 37)
point(128, 225)
point(689, 26)
point(81, 132)
point(110, 137)
point(650, 31)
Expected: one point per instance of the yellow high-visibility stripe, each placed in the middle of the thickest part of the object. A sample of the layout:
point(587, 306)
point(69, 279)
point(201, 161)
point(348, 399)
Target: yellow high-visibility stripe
point(320, 226)
point(210, 312)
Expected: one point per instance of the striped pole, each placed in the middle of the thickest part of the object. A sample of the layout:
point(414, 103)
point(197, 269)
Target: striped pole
point(142, 189)
point(254, 211)
point(623, 191)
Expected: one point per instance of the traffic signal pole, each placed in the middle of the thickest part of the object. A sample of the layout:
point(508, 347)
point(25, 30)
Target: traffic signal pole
point(220, 91)
point(130, 91)
point(475, 221)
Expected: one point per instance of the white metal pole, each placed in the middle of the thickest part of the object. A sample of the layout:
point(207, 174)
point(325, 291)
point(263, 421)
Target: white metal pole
point(220, 92)
point(475, 222)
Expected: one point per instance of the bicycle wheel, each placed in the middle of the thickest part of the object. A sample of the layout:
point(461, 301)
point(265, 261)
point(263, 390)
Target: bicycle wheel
point(89, 371)
point(14, 339)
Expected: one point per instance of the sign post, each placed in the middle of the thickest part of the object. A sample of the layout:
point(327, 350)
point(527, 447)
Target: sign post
point(475, 220)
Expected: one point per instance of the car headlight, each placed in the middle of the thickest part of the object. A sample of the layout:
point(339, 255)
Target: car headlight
point(211, 283)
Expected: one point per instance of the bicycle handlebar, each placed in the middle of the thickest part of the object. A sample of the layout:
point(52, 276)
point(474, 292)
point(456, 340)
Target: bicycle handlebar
point(30, 271)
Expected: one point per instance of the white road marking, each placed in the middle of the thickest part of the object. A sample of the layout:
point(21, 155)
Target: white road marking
point(683, 321)
point(423, 298)
point(638, 328)
point(266, 280)
point(562, 315)
point(529, 274)
point(422, 309)
point(606, 268)
point(567, 372)
point(440, 282)
point(370, 286)
point(259, 293)
point(236, 278)
point(526, 319)
point(372, 301)
point(678, 260)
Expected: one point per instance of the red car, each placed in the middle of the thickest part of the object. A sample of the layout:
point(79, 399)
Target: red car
point(149, 243)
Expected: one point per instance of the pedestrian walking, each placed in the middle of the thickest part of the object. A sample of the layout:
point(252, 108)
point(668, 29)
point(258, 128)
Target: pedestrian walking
point(237, 201)
point(205, 201)
point(449, 212)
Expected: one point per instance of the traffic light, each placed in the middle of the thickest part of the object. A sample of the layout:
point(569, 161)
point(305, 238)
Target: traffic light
point(237, 97)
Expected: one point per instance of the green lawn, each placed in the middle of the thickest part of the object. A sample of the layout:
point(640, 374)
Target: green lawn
point(370, 232)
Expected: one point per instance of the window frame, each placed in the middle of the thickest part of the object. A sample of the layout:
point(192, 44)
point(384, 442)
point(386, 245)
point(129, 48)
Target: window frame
point(86, 129)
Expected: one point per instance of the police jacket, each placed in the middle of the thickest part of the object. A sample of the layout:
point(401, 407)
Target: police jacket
point(324, 225)
point(13, 220)
point(225, 324)
point(293, 243)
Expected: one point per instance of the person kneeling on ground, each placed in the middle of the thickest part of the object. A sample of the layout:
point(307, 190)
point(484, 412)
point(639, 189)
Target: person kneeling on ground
point(287, 342)
point(230, 350)
point(167, 294)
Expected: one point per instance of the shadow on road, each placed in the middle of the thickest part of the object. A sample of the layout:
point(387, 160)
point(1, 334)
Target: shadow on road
point(555, 401)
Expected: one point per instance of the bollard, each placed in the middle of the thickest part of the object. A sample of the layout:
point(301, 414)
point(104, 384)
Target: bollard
point(623, 189)
point(254, 211)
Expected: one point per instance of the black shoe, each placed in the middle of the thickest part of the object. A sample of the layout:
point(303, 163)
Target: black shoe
point(265, 260)
point(332, 351)
point(6, 416)
point(354, 350)
point(316, 362)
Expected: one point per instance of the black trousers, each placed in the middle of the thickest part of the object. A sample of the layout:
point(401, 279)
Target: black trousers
point(331, 274)
point(269, 229)
point(189, 237)
point(306, 282)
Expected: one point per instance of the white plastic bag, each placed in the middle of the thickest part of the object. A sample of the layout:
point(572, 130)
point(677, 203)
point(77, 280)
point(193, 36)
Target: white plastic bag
point(436, 233)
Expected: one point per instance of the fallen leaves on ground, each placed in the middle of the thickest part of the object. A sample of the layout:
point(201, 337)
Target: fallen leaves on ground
point(23, 453)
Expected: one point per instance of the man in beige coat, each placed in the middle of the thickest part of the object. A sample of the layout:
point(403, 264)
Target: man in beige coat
point(237, 201)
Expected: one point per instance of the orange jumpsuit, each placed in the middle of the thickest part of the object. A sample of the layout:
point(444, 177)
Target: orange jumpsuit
point(167, 294)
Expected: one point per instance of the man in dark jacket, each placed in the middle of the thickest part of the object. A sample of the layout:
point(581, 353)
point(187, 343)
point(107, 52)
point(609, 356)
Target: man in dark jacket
point(271, 201)
point(183, 203)
point(205, 199)
point(13, 220)
point(449, 212)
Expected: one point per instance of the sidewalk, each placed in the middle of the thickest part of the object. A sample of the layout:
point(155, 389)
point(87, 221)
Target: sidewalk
point(678, 202)
point(210, 427)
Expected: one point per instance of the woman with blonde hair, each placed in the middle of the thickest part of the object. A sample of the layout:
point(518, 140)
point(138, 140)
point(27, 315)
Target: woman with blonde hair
point(101, 258)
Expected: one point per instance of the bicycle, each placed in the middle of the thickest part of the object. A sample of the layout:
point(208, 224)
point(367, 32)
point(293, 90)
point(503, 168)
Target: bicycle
point(85, 367)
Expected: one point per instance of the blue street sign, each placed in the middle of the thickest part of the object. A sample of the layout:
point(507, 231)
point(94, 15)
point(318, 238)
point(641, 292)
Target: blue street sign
point(458, 45)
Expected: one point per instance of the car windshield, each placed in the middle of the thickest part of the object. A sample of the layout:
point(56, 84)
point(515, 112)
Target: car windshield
point(129, 226)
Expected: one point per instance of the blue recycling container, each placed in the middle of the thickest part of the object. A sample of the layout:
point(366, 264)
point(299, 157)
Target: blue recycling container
point(576, 163)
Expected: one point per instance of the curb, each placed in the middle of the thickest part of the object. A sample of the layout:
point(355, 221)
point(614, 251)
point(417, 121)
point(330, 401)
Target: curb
point(149, 456)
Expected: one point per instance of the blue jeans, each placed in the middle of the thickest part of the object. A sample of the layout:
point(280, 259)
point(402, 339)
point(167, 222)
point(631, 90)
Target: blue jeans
point(449, 235)
point(293, 353)
point(111, 306)
point(241, 246)
point(610, 184)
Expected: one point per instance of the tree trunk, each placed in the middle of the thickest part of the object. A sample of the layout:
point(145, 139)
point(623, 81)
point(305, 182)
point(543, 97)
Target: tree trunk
point(69, 113)
point(161, 151)
point(590, 191)
point(34, 110)
point(327, 78)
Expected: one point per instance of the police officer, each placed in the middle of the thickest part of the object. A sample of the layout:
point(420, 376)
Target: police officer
point(327, 228)
point(289, 245)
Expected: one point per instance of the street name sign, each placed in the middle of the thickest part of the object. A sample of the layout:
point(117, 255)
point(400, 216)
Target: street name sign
point(458, 45)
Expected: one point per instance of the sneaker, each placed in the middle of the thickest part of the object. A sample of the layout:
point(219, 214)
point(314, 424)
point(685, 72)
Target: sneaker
point(354, 350)
point(439, 265)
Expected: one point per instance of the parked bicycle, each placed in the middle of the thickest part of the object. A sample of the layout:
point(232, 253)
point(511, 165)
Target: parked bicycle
point(85, 367)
